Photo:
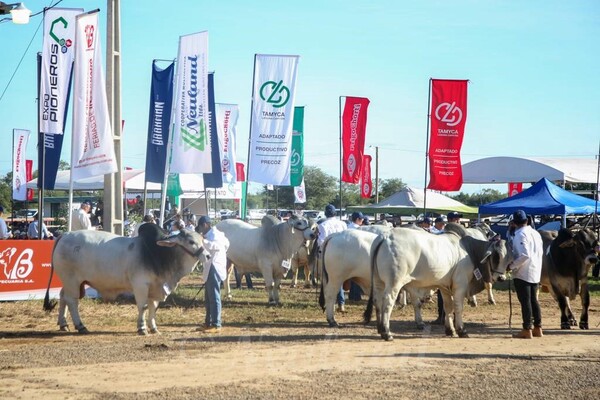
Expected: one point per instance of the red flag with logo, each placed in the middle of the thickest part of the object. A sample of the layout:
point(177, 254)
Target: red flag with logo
point(514, 188)
point(366, 186)
point(28, 177)
point(354, 127)
point(239, 172)
point(448, 117)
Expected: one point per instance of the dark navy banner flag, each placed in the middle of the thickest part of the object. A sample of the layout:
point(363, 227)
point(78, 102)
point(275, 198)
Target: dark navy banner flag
point(52, 146)
point(215, 178)
point(161, 100)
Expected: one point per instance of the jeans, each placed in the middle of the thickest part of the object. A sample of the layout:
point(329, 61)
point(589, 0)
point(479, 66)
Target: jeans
point(440, 306)
point(238, 279)
point(340, 297)
point(530, 308)
point(355, 292)
point(212, 299)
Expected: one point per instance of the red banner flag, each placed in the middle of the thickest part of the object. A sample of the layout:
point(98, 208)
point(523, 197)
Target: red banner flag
point(366, 186)
point(28, 177)
point(239, 172)
point(514, 188)
point(354, 127)
point(448, 118)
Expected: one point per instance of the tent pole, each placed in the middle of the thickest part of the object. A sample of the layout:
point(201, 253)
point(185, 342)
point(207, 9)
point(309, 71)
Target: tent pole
point(426, 151)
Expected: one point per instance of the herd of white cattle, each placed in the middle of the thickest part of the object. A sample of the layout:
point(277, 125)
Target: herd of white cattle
point(382, 261)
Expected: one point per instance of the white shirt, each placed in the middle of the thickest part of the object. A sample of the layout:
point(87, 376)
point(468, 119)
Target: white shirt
point(330, 226)
point(80, 220)
point(216, 244)
point(33, 233)
point(353, 225)
point(4, 234)
point(528, 251)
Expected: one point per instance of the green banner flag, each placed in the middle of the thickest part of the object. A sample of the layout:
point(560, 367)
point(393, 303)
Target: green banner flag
point(297, 160)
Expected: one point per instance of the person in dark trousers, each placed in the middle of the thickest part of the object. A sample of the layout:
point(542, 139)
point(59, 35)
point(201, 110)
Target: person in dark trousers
point(526, 270)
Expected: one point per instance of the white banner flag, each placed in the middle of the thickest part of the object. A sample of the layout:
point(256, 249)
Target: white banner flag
point(92, 151)
point(272, 119)
point(300, 193)
point(57, 63)
point(19, 178)
point(227, 117)
point(191, 139)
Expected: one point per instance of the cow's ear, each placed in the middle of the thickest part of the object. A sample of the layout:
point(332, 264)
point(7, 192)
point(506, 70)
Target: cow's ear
point(567, 244)
point(166, 243)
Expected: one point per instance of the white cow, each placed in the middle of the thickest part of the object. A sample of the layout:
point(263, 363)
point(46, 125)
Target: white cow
point(264, 249)
point(149, 265)
point(418, 259)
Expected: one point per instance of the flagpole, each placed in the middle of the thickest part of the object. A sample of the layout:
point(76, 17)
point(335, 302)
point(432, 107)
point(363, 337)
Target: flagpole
point(597, 188)
point(426, 151)
point(163, 189)
point(41, 153)
point(249, 138)
point(341, 159)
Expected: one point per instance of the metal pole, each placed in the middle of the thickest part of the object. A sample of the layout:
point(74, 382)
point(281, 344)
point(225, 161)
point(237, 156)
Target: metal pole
point(250, 138)
point(41, 154)
point(113, 188)
point(427, 151)
point(597, 187)
point(341, 156)
point(376, 174)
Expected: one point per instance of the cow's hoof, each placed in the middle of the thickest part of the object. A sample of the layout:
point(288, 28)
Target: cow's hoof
point(492, 302)
point(472, 303)
point(583, 325)
point(463, 334)
point(83, 330)
point(573, 322)
point(565, 325)
point(333, 324)
point(155, 331)
point(450, 332)
point(421, 326)
point(387, 336)
point(142, 332)
point(64, 328)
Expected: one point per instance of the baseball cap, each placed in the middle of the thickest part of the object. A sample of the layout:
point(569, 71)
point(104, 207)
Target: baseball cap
point(426, 220)
point(519, 217)
point(438, 219)
point(357, 215)
point(86, 202)
point(454, 214)
point(203, 220)
point(329, 210)
point(1, 209)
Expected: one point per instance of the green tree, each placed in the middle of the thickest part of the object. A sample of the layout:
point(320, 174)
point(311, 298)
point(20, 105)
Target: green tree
point(390, 186)
point(476, 199)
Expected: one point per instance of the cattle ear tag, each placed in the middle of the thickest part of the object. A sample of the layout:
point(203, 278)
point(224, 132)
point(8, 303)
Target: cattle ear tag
point(286, 264)
point(477, 274)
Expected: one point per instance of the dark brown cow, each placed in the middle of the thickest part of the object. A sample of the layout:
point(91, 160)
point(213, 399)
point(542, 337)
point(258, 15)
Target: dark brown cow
point(568, 257)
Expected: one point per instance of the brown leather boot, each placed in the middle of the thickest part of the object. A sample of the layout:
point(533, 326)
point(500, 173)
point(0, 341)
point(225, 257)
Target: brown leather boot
point(537, 331)
point(524, 334)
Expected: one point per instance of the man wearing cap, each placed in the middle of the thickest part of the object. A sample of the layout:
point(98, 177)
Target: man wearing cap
point(356, 220)
point(4, 233)
point(328, 227)
point(33, 229)
point(438, 226)
point(454, 216)
point(425, 223)
point(214, 272)
point(80, 219)
point(526, 270)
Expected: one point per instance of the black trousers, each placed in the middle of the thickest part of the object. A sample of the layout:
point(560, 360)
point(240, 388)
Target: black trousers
point(530, 308)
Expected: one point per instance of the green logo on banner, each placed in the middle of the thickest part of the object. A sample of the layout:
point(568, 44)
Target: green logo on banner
point(275, 93)
point(297, 156)
point(194, 140)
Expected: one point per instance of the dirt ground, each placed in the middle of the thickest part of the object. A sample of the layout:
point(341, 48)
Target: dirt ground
point(290, 352)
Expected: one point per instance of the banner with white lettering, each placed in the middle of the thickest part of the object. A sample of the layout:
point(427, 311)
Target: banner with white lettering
point(366, 186)
point(274, 91)
point(354, 130)
point(227, 118)
point(514, 188)
point(448, 116)
point(161, 101)
point(19, 172)
point(57, 65)
point(297, 161)
point(213, 179)
point(300, 193)
point(191, 140)
point(92, 151)
point(29, 176)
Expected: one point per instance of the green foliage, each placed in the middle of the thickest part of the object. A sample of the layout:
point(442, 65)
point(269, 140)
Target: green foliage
point(476, 199)
point(390, 186)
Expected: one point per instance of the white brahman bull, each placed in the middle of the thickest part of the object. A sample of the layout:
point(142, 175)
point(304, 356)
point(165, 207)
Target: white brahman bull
point(418, 259)
point(149, 265)
point(265, 249)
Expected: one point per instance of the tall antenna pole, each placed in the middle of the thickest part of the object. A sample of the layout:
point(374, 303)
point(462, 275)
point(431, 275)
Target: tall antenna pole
point(427, 151)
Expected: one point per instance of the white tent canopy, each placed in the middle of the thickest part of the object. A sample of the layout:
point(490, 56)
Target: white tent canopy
point(519, 169)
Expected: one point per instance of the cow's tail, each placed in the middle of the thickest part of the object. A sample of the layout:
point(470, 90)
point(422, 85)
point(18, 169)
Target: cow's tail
point(49, 305)
point(374, 250)
point(325, 277)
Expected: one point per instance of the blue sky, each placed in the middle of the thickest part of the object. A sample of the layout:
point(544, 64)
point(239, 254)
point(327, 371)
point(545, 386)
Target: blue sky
point(533, 67)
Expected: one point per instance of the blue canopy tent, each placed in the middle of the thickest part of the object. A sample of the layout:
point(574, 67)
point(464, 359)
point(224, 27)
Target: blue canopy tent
point(543, 198)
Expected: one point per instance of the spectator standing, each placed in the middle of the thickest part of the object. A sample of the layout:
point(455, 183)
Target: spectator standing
point(355, 293)
point(215, 272)
point(80, 219)
point(527, 271)
point(356, 221)
point(4, 233)
point(33, 229)
point(438, 225)
point(329, 226)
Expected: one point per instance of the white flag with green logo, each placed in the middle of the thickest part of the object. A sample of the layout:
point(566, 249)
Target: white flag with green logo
point(191, 152)
point(273, 91)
